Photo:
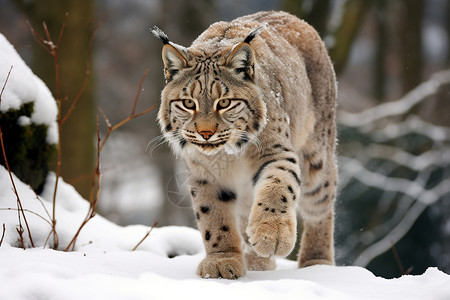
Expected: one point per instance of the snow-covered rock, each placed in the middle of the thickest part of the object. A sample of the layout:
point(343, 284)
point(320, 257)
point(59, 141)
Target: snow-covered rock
point(24, 86)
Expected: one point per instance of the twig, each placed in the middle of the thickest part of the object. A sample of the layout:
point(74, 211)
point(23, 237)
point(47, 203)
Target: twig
point(132, 116)
point(94, 195)
point(3, 234)
point(399, 262)
point(48, 237)
point(139, 91)
point(38, 38)
point(95, 186)
point(58, 172)
point(148, 233)
point(63, 26)
point(397, 259)
point(4, 84)
point(49, 222)
point(19, 203)
point(20, 232)
point(78, 96)
point(43, 206)
point(28, 211)
point(83, 85)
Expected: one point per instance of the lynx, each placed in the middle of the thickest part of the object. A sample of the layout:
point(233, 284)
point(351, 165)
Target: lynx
point(250, 107)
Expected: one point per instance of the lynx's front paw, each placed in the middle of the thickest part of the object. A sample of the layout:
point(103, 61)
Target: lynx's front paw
point(272, 234)
point(222, 265)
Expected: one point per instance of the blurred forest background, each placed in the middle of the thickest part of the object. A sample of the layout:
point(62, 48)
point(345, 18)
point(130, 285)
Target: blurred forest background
point(392, 61)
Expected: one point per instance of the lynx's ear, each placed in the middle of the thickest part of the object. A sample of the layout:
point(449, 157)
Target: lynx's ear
point(174, 60)
point(242, 56)
point(173, 56)
point(241, 59)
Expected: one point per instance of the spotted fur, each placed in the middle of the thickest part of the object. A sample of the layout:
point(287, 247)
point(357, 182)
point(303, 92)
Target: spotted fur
point(250, 107)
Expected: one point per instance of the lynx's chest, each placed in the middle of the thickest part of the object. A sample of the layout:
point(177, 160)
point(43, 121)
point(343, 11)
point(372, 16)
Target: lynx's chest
point(227, 170)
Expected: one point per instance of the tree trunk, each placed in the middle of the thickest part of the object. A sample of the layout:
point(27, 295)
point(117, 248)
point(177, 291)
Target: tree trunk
point(380, 54)
point(411, 43)
point(317, 15)
point(78, 133)
point(352, 18)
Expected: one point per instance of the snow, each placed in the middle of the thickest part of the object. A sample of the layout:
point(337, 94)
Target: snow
point(24, 86)
point(163, 266)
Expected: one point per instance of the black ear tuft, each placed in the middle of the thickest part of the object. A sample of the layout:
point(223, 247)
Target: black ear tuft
point(160, 34)
point(254, 33)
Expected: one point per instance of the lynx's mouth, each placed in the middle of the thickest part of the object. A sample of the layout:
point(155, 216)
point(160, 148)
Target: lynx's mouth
point(208, 147)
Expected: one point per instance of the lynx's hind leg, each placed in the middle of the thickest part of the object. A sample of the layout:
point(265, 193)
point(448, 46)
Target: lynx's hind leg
point(319, 173)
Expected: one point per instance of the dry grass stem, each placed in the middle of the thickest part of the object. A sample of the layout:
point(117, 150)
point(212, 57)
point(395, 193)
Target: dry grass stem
point(4, 84)
point(3, 234)
point(399, 262)
point(146, 235)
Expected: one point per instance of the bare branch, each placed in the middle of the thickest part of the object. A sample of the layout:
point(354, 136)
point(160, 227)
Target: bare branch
point(95, 192)
point(78, 96)
point(38, 38)
point(63, 26)
point(52, 48)
point(139, 92)
point(398, 107)
point(132, 116)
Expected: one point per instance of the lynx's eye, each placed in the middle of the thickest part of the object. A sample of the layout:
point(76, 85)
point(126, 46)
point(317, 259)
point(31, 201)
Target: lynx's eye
point(189, 103)
point(223, 103)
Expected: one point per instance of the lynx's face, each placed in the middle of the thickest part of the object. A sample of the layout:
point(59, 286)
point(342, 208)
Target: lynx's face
point(210, 102)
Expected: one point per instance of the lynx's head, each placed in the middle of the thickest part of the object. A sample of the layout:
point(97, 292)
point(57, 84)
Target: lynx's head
point(210, 102)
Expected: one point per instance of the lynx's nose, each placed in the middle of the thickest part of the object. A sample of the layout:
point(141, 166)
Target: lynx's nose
point(206, 134)
point(206, 129)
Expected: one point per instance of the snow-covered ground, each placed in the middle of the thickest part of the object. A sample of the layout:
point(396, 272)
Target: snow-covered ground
point(103, 265)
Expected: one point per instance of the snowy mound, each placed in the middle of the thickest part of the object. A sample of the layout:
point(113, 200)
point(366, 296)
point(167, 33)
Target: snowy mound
point(163, 267)
point(24, 87)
